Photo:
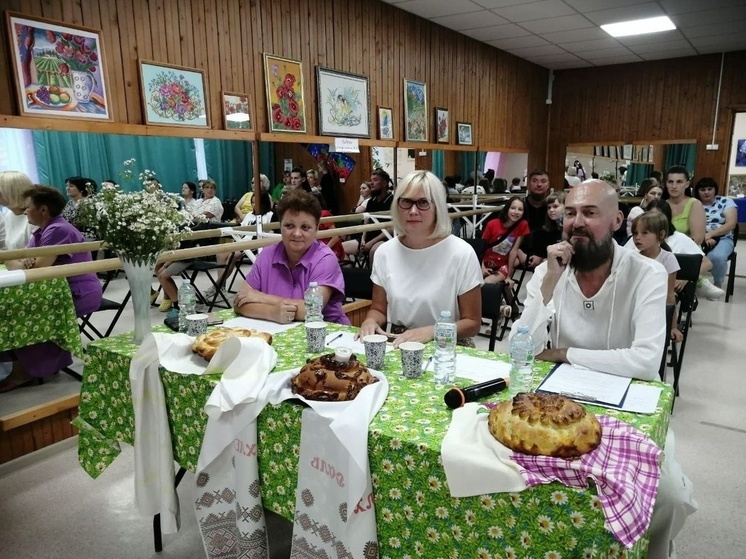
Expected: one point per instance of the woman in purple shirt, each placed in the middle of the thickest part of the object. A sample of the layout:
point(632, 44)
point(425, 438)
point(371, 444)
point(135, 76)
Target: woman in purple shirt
point(281, 274)
point(44, 206)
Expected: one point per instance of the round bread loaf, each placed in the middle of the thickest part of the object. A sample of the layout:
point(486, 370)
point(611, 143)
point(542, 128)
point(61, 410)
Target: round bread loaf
point(205, 345)
point(326, 379)
point(545, 424)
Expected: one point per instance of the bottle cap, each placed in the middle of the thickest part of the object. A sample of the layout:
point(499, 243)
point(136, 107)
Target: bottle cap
point(342, 354)
point(313, 284)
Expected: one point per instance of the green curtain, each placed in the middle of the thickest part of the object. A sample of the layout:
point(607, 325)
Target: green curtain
point(229, 164)
point(439, 165)
point(102, 156)
point(469, 160)
point(681, 154)
point(267, 163)
point(637, 172)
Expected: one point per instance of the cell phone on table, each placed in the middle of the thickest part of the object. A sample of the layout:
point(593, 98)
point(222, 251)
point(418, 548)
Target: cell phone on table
point(213, 319)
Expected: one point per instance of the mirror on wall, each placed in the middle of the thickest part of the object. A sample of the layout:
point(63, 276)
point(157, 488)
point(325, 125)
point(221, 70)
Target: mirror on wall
point(626, 165)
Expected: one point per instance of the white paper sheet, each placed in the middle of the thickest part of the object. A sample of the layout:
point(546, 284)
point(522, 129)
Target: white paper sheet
point(479, 369)
point(262, 325)
point(586, 385)
point(347, 339)
point(641, 398)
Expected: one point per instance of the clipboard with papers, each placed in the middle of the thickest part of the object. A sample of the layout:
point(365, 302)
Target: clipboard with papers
point(600, 389)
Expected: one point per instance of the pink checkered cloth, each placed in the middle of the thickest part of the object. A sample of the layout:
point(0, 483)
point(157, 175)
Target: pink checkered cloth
point(625, 469)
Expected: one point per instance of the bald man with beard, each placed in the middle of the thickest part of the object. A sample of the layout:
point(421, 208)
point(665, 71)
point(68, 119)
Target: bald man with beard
point(604, 308)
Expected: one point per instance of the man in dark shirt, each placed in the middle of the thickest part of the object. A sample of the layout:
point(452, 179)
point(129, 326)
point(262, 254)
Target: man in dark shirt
point(536, 208)
point(380, 201)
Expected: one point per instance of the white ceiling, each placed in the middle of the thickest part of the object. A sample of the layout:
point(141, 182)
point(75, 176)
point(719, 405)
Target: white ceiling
point(562, 34)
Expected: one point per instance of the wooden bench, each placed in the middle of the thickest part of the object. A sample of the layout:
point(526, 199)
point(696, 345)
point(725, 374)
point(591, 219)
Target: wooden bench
point(357, 311)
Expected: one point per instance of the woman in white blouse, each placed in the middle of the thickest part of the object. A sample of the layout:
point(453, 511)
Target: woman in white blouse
point(17, 228)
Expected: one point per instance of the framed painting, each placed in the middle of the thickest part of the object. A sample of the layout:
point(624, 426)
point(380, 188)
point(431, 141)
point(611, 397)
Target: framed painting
point(286, 102)
point(173, 95)
point(385, 123)
point(344, 106)
point(442, 129)
point(59, 69)
point(415, 111)
point(741, 153)
point(463, 132)
point(237, 111)
point(627, 152)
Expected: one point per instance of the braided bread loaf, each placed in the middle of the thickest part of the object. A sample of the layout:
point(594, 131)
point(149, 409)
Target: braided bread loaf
point(326, 379)
point(206, 345)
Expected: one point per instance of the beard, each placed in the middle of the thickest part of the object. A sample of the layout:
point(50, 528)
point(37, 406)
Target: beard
point(591, 254)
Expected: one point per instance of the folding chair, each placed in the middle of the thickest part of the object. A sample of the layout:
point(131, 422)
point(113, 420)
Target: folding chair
point(689, 271)
point(669, 344)
point(358, 284)
point(205, 266)
point(492, 294)
point(732, 269)
point(89, 330)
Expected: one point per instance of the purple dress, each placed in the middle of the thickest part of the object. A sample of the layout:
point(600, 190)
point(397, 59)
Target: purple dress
point(271, 274)
point(46, 358)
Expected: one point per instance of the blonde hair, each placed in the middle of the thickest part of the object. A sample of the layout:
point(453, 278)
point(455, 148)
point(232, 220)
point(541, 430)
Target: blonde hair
point(263, 180)
point(435, 193)
point(312, 173)
point(12, 186)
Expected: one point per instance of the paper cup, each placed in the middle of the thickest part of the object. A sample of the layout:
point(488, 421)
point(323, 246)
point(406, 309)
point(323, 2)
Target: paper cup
point(315, 336)
point(375, 350)
point(196, 324)
point(411, 359)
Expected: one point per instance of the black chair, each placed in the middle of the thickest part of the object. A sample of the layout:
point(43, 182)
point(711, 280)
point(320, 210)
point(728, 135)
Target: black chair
point(89, 330)
point(478, 244)
point(732, 269)
point(492, 294)
point(669, 344)
point(358, 284)
point(206, 266)
point(689, 271)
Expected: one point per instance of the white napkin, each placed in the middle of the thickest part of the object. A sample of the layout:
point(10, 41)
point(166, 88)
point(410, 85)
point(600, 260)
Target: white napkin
point(175, 354)
point(474, 461)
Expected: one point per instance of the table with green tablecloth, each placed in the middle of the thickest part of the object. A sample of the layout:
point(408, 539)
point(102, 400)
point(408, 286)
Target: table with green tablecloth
point(416, 515)
point(41, 311)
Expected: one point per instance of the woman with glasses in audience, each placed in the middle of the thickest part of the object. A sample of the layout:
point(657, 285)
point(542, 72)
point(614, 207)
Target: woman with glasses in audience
point(424, 270)
point(245, 205)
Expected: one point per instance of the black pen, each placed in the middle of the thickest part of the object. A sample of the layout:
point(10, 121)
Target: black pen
point(334, 338)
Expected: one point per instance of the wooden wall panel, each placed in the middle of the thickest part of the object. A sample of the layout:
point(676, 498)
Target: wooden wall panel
point(655, 101)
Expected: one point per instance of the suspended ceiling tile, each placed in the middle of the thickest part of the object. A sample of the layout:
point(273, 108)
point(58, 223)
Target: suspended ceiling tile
point(661, 46)
point(471, 20)
point(625, 13)
point(723, 16)
point(685, 6)
point(732, 41)
point(563, 65)
point(594, 5)
point(518, 42)
point(535, 10)
point(616, 60)
point(715, 29)
point(563, 23)
point(604, 53)
point(584, 34)
point(652, 38)
point(491, 4)
point(564, 58)
point(581, 46)
point(665, 54)
point(537, 51)
point(437, 8)
point(497, 33)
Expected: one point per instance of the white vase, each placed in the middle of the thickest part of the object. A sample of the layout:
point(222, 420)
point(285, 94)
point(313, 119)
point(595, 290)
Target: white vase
point(82, 86)
point(140, 279)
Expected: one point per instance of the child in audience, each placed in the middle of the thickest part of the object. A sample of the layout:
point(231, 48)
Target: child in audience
point(549, 234)
point(649, 231)
point(503, 239)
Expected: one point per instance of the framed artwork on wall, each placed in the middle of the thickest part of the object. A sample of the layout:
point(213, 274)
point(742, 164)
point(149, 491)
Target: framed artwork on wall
point(286, 102)
point(741, 153)
point(627, 152)
point(344, 106)
point(173, 95)
point(415, 111)
point(237, 111)
point(385, 123)
point(59, 69)
point(442, 126)
point(463, 130)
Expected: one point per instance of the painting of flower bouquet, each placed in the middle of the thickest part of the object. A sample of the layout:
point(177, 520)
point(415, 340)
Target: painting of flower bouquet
point(237, 111)
point(173, 95)
point(442, 130)
point(344, 109)
point(284, 81)
point(415, 111)
point(59, 68)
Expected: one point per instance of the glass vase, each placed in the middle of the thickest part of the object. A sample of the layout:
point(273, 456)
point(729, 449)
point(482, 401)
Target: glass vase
point(140, 279)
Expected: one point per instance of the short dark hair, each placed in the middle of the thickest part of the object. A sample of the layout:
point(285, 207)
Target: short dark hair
point(536, 172)
point(677, 170)
point(43, 195)
point(704, 182)
point(85, 185)
point(299, 201)
point(383, 174)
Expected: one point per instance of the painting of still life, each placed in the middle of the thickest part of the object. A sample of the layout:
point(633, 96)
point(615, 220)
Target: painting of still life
point(286, 103)
point(173, 95)
point(344, 109)
point(415, 111)
point(59, 69)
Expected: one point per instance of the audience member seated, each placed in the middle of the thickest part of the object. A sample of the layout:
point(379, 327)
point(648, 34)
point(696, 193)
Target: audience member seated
point(277, 190)
point(362, 202)
point(78, 188)
point(688, 214)
point(550, 233)
point(424, 270)
point(210, 207)
point(571, 177)
point(380, 201)
point(604, 308)
point(281, 274)
point(44, 205)
point(721, 215)
point(649, 190)
point(536, 208)
point(13, 185)
point(245, 205)
point(327, 183)
point(515, 184)
point(189, 193)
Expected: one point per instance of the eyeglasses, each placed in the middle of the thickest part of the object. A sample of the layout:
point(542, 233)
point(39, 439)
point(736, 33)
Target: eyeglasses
point(407, 203)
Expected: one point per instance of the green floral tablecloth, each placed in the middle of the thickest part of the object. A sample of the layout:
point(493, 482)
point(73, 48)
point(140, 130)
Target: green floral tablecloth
point(36, 312)
point(416, 515)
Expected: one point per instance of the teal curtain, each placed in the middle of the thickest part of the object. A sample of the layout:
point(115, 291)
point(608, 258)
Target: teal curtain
point(681, 154)
point(229, 164)
point(267, 163)
point(637, 172)
point(469, 160)
point(439, 165)
point(102, 156)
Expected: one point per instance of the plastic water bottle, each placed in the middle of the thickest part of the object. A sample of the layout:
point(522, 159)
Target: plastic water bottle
point(521, 361)
point(314, 301)
point(187, 303)
point(445, 349)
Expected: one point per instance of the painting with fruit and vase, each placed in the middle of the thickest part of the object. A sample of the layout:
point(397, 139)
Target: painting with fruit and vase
point(59, 68)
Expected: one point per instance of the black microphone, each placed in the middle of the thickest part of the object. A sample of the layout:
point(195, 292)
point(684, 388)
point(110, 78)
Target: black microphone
point(457, 397)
